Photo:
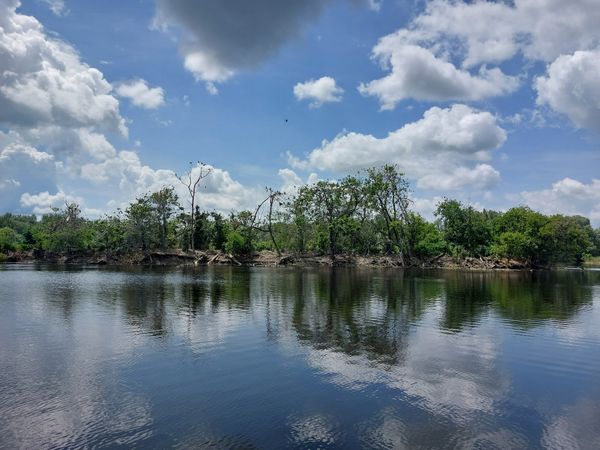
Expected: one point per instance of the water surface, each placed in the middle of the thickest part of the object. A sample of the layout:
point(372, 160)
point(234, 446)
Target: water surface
point(277, 358)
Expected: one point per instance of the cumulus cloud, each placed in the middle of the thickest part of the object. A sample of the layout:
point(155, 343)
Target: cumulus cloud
point(567, 196)
point(319, 91)
point(44, 82)
point(221, 38)
point(415, 72)
point(426, 206)
point(74, 144)
point(219, 191)
point(57, 111)
point(445, 52)
point(291, 181)
point(141, 94)
point(22, 168)
point(438, 150)
point(492, 32)
point(571, 86)
point(43, 202)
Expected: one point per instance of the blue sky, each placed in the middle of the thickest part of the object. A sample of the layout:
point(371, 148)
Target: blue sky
point(493, 103)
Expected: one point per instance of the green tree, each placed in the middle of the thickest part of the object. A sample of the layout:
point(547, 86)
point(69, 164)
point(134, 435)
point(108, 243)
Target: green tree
point(240, 237)
point(202, 230)
point(566, 239)
point(219, 234)
point(332, 205)
point(464, 227)
point(165, 204)
point(141, 220)
point(388, 193)
point(429, 241)
point(9, 239)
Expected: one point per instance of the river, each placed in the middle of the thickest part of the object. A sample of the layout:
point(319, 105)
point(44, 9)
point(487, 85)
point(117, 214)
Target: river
point(225, 357)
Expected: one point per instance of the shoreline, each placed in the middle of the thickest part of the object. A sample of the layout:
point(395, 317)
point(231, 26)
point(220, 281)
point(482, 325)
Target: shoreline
point(264, 259)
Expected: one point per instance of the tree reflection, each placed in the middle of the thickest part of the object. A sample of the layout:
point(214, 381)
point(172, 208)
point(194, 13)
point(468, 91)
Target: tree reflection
point(524, 299)
point(356, 311)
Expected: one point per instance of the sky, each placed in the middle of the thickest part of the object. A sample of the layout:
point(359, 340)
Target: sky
point(496, 104)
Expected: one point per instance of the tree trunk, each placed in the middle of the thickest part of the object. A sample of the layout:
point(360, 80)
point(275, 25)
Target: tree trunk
point(331, 244)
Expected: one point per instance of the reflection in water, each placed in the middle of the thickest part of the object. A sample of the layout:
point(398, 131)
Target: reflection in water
point(255, 357)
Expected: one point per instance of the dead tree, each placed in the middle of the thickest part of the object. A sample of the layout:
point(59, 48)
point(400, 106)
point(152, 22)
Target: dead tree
point(195, 174)
point(271, 200)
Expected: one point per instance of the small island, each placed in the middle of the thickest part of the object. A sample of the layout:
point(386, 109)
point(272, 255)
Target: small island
point(364, 220)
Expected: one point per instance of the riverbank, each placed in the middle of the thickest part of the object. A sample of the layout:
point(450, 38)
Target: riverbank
point(263, 258)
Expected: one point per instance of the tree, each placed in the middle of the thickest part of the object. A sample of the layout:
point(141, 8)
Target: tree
point(464, 227)
point(332, 204)
point(296, 207)
point(191, 180)
point(111, 231)
point(428, 240)
point(202, 229)
point(165, 204)
point(61, 230)
point(516, 234)
point(9, 239)
point(140, 219)
point(388, 192)
point(219, 234)
point(566, 239)
point(273, 197)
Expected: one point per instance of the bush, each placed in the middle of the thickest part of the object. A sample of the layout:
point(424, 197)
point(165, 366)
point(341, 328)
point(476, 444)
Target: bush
point(236, 244)
point(514, 244)
point(9, 239)
point(3, 257)
point(429, 241)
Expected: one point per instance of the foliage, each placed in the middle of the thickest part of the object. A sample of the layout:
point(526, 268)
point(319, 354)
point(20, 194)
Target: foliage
point(429, 241)
point(465, 228)
point(9, 239)
point(365, 214)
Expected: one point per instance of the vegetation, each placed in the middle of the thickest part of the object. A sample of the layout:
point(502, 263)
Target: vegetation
point(366, 214)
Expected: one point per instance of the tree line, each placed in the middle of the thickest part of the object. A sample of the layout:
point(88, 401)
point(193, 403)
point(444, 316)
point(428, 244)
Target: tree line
point(369, 213)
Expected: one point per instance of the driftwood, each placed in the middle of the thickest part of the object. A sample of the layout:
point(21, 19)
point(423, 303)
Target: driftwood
point(212, 260)
point(232, 259)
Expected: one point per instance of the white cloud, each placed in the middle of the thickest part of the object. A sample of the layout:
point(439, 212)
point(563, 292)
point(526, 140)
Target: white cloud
point(44, 82)
point(43, 202)
point(58, 111)
point(445, 51)
point(291, 181)
point(438, 150)
point(218, 191)
point(567, 196)
point(492, 32)
point(482, 176)
point(319, 91)
point(415, 72)
point(572, 87)
point(76, 144)
point(23, 168)
point(141, 94)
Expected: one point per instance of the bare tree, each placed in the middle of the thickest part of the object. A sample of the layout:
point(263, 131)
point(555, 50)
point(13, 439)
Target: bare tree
point(196, 173)
point(271, 200)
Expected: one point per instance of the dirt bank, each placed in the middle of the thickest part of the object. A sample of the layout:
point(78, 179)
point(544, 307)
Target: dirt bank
point(264, 258)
